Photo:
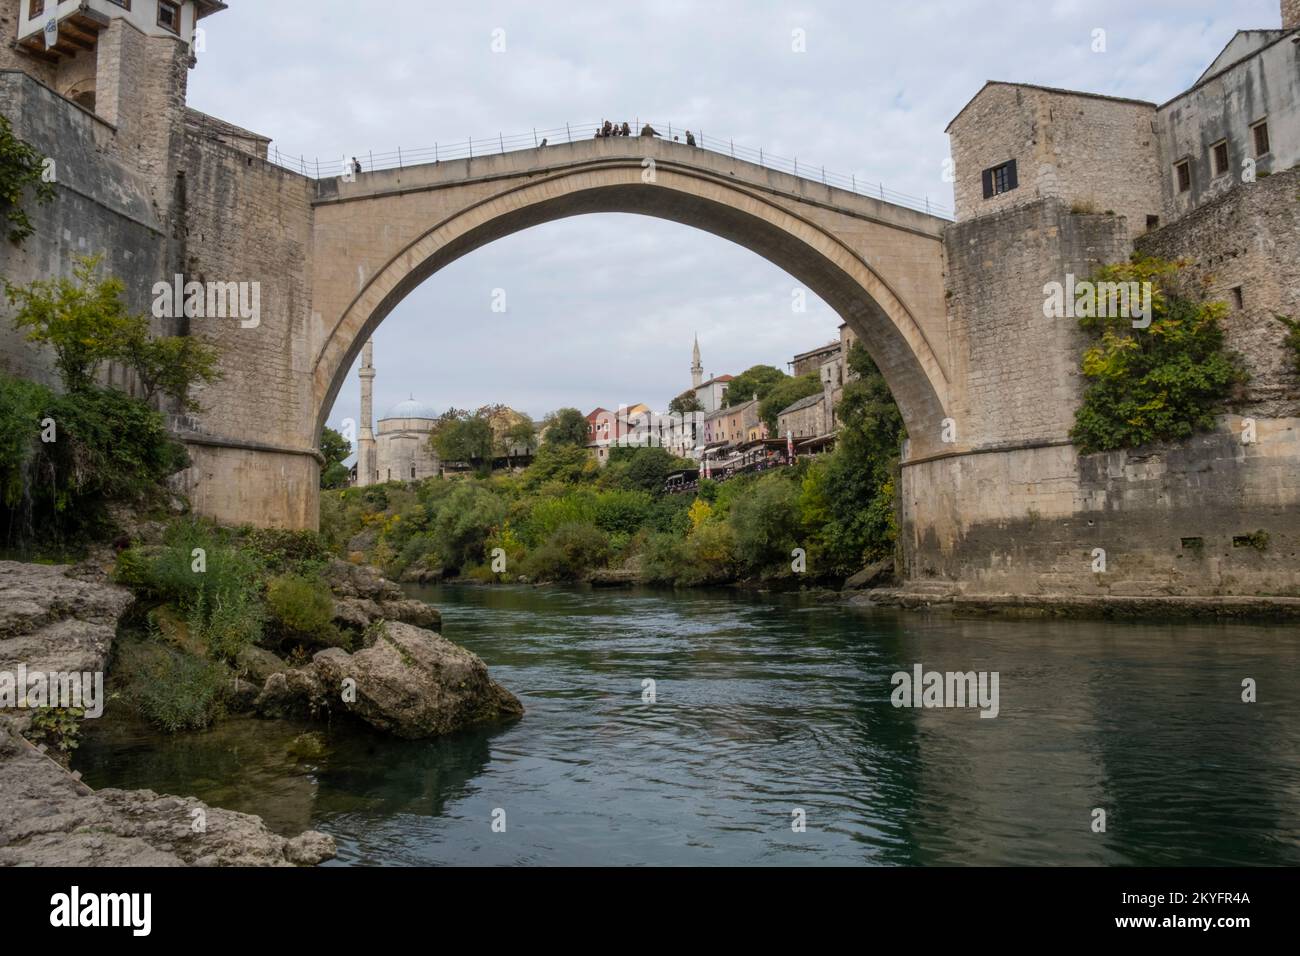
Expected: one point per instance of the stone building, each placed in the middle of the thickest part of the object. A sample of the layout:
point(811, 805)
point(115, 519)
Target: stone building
point(403, 450)
point(1016, 143)
point(805, 418)
point(1053, 183)
point(813, 359)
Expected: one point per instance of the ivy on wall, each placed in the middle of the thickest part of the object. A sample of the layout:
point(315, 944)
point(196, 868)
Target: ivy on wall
point(1155, 382)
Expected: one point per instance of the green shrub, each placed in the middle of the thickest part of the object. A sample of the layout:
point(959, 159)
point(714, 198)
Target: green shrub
point(1292, 340)
point(281, 550)
point(464, 521)
point(302, 608)
point(196, 563)
point(569, 553)
point(106, 447)
point(60, 727)
point(233, 623)
point(176, 691)
point(1161, 383)
point(766, 524)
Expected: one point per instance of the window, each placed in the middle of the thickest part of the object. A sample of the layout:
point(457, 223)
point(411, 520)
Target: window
point(1260, 133)
point(169, 16)
point(1220, 153)
point(1000, 179)
point(1184, 171)
point(1238, 300)
point(1153, 222)
point(35, 8)
point(124, 4)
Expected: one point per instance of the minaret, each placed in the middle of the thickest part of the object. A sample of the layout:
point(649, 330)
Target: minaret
point(697, 367)
point(366, 436)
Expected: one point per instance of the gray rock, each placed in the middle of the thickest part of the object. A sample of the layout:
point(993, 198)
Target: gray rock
point(49, 819)
point(874, 575)
point(259, 664)
point(413, 683)
point(348, 580)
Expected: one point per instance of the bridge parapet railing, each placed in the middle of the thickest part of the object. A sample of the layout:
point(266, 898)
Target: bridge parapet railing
point(469, 148)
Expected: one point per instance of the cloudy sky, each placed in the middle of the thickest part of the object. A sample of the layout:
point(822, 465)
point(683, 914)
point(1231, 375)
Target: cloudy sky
point(602, 309)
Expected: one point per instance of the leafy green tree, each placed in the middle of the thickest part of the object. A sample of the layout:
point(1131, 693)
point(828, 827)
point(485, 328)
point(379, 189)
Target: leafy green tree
point(568, 426)
point(334, 448)
point(847, 502)
point(766, 524)
point(521, 437)
point(759, 380)
point(567, 464)
point(686, 403)
point(172, 365)
point(1160, 383)
point(21, 168)
point(468, 439)
point(647, 468)
point(82, 318)
point(465, 520)
point(784, 394)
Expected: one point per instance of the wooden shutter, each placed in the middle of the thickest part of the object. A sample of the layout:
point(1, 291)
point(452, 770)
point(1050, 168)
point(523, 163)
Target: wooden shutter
point(988, 183)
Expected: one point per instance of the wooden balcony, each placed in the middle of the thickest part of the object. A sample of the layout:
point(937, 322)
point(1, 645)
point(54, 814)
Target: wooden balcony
point(78, 32)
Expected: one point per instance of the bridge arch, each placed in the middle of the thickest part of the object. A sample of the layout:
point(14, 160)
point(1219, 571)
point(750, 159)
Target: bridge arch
point(827, 260)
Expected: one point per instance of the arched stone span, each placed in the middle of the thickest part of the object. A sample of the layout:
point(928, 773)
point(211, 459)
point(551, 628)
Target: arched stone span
point(844, 255)
point(334, 257)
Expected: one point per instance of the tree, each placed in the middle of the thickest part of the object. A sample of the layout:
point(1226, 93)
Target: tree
point(686, 403)
point(21, 168)
point(334, 448)
point(759, 380)
point(468, 439)
point(785, 394)
point(172, 365)
point(847, 501)
point(568, 426)
point(82, 318)
point(522, 436)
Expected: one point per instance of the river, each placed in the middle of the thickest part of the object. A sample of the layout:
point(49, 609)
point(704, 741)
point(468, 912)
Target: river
point(770, 712)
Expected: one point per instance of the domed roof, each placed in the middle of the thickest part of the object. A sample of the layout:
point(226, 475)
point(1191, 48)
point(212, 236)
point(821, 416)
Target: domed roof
point(411, 409)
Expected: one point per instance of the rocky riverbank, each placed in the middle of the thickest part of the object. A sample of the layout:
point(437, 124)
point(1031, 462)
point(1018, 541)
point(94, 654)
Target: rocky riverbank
point(51, 622)
point(400, 678)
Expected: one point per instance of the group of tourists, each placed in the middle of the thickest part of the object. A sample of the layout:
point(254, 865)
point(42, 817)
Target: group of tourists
point(607, 129)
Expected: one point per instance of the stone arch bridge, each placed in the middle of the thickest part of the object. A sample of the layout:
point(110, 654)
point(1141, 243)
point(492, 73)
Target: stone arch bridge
point(354, 249)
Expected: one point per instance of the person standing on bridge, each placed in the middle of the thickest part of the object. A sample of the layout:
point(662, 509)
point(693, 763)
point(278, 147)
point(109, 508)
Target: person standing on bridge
point(356, 166)
point(648, 130)
point(627, 130)
point(690, 138)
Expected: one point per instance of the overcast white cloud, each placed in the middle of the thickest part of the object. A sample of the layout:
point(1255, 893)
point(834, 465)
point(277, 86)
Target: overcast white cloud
point(602, 309)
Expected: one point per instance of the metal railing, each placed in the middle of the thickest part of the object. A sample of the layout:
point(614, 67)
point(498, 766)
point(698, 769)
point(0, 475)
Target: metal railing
point(469, 148)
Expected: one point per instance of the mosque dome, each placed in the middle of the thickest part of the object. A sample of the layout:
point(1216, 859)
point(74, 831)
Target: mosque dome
point(411, 409)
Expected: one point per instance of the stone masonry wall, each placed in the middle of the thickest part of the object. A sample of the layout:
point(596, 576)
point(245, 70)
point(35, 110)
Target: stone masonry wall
point(1248, 239)
point(249, 221)
point(103, 207)
point(12, 58)
point(1018, 370)
point(1176, 520)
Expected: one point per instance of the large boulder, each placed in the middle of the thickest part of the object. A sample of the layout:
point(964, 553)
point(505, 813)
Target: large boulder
point(411, 683)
